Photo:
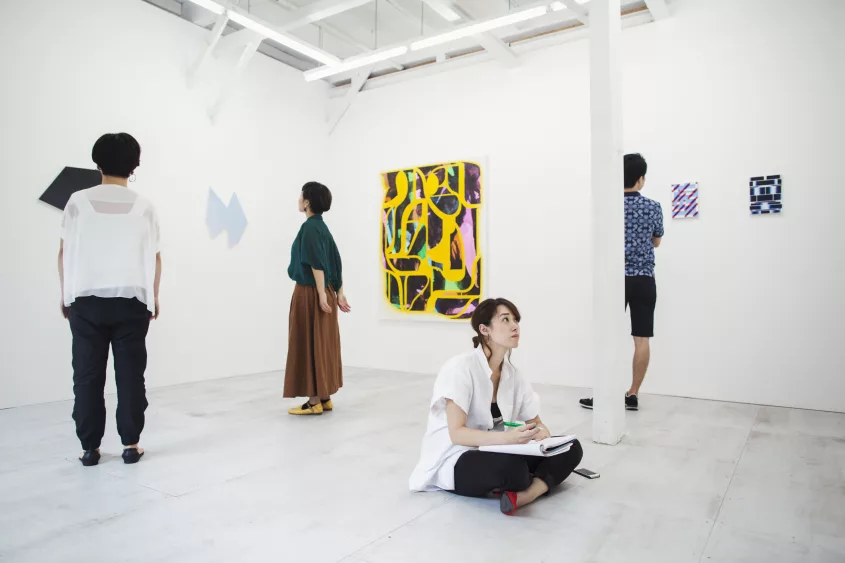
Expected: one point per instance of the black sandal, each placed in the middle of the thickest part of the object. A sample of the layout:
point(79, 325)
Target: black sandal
point(132, 455)
point(90, 458)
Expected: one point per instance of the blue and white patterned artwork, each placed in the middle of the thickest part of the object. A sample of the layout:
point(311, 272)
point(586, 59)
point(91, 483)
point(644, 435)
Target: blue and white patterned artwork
point(766, 194)
point(685, 201)
point(221, 217)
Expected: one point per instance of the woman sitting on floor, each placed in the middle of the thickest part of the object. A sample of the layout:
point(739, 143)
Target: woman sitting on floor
point(473, 394)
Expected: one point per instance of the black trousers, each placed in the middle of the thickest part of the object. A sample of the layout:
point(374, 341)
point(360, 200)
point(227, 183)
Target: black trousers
point(478, 473)
point(96, 323)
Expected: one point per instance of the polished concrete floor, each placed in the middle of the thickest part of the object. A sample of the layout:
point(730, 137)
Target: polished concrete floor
point(229, 476)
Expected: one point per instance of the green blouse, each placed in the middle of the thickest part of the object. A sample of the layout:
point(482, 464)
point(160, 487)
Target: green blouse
point(314, 247)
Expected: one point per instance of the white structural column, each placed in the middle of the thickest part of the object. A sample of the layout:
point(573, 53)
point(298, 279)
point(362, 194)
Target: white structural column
point(608, 254)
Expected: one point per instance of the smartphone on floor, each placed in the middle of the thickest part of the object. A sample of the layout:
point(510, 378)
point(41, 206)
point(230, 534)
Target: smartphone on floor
point(587, 473)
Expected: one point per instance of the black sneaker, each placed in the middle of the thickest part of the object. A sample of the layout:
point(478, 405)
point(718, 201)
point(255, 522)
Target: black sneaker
point(587, 403)
point(632, 403)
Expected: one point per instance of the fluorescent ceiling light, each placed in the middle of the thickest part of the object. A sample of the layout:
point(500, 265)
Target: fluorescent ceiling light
point(355, 62)
point(210, 6)
point(558, 6)
point(443, 10)
point(286, 40)
point(482, 27)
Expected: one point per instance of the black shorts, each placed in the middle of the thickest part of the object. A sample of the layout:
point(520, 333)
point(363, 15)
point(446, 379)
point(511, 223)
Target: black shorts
point(641, 298)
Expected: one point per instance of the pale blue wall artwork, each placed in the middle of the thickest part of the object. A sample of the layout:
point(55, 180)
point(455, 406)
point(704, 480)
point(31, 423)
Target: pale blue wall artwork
point(221, 217)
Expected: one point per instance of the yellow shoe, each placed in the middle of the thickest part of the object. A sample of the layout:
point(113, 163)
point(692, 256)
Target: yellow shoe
point(307, 408)
point(327, 405)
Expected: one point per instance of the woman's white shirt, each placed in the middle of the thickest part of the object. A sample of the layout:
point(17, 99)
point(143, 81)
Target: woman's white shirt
point(111, 237)
point(465, 380)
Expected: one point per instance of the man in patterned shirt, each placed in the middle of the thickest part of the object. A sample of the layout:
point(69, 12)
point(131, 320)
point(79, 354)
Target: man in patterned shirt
point(643, 233)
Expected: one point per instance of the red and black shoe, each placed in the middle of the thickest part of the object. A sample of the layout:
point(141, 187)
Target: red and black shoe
point(507, 504)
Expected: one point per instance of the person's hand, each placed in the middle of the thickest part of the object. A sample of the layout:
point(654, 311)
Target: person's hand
point(543, 433)
point(65, 310)
point(343, 303)
point(324, 302)
point(158, 309)
point(521, 435)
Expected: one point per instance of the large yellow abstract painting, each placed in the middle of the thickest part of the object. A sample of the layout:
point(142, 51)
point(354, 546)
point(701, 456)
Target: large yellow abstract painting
point(431, 252)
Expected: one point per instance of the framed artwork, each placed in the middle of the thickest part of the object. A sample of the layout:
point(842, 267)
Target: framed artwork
point(69, 181)
point(431, 248)
point(685, 201)
point(766, 194)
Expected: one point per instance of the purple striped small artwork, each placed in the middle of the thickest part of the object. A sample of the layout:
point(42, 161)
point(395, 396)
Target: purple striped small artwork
point(684, 201)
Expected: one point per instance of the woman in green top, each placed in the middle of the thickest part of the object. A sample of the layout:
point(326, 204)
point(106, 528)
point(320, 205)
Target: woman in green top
point(313, 367)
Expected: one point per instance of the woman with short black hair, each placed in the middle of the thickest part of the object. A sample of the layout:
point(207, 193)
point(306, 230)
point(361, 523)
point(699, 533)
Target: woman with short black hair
point(109, 271)
point(313, 367)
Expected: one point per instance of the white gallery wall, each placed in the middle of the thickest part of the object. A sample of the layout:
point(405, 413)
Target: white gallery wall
point(74, 69)
point(750, 308)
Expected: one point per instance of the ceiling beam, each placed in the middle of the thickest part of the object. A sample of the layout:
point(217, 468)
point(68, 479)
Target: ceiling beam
point(270, 32)
point(576, 8)
point(658, 8)
point(492, 44)
point(231, 83)
point(498, 48)
point(543, 40)
point(197, 14)
point(445, 9)
point(355, 87)
point(235, 40)
point(409, 15)
point(213, 40)
point(338, 33)
point(312, 13)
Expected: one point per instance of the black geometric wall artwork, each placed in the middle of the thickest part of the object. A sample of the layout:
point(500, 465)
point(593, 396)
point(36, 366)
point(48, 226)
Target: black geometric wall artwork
point(68, 182)
point(766, 194)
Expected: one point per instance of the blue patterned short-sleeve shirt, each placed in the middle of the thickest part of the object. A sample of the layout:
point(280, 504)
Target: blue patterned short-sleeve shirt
point(643, 220)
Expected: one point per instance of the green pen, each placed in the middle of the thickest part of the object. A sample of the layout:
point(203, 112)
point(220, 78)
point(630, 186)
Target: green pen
point(513, 424)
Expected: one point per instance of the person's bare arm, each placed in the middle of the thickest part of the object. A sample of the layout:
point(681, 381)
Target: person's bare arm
point(656, 241)
point(320, 279)
point(157, 283)
point(62, 276)
point(463, 436)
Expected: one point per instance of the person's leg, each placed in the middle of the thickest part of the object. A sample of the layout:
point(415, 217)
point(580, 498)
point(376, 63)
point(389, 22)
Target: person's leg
point(554, 470)
point(642, 293)
point(478, 473)
point(90, 358)
point(642, 355)
point(132, 321)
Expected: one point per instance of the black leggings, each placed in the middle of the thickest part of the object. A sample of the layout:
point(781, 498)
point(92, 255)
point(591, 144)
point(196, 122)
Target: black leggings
point(478, 473)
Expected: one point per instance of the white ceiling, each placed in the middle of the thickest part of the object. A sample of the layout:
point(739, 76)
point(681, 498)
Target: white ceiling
point(381, 23)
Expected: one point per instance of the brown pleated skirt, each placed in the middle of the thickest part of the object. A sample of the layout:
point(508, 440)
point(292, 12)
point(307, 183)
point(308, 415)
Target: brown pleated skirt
point(313, 367)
